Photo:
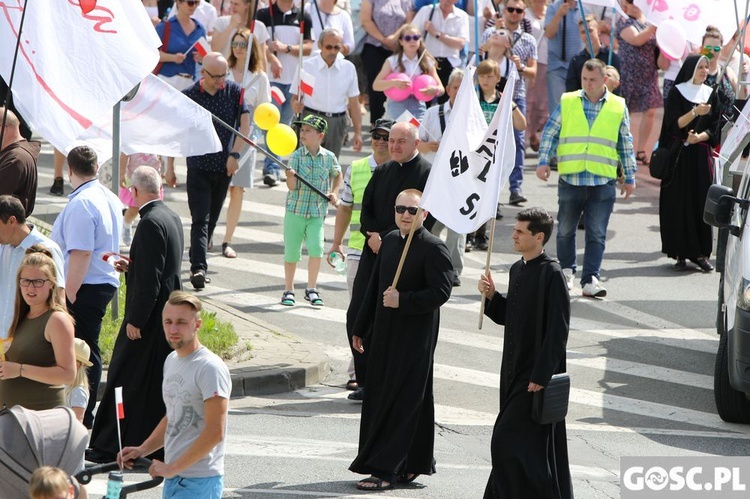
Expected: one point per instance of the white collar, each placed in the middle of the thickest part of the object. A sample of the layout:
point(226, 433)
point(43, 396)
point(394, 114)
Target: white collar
point(697, 94)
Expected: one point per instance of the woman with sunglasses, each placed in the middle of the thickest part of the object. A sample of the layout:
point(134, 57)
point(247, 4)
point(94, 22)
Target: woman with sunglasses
point(411, 57)
point(41, 357)
point(640, 83)
point(257, 91)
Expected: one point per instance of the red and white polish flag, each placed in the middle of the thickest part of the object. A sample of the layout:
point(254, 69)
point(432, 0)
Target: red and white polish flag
point(407, 117)
point(202, 46)
point(307, 83)
point(277, 95)
point(118, 403)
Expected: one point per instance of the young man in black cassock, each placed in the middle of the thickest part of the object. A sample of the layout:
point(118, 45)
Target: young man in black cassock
point(529, 459)
point(397, 434)
point(141, 347)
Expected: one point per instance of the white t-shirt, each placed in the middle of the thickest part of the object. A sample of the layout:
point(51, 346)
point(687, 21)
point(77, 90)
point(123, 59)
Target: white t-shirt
point(188, 382)
point(456, 24)
point(341, 20)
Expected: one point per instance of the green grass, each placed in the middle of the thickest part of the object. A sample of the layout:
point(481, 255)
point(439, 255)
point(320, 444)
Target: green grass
point(215, 334)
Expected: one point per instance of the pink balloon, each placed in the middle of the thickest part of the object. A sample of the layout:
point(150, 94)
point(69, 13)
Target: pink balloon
point(395, 93)
point(421, 82)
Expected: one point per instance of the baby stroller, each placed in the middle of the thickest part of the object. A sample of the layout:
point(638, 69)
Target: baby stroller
point(30, 439)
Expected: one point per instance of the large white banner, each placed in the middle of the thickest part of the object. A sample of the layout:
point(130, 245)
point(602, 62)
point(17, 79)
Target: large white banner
point(695, 15)
point(158, 120)
point(73, 67)
point(473, 162)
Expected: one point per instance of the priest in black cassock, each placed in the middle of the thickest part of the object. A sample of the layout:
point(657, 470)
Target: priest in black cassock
point(407, 169)
point(529, 459)
point(396, 435)
point(141, 347)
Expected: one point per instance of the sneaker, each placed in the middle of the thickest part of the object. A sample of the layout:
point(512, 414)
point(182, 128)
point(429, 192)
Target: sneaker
point(594, 289)
point(480, 243)
point(516, 198)
point(57, 187)
point(469, 244)
point(569, 276)
point(270, 179)
point(357, 395)
point(281, 176)
point(456, 280)
point(198, 279)
point(127, 235)
point(498, 213)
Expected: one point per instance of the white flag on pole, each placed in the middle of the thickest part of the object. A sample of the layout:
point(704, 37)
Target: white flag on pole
point(473, 162)
point(158, 120)
point(73, 67)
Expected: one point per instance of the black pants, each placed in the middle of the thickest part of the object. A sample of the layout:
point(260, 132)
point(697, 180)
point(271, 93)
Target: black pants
point(206, 193)
point(88, 312)
point(373, 58)
point(444, 70)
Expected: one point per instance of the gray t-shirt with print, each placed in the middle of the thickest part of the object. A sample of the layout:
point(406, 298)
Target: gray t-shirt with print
point(188, 382)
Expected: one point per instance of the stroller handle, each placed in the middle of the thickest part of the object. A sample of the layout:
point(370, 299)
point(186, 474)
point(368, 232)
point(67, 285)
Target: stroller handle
point(136, 487)
point(84, 476)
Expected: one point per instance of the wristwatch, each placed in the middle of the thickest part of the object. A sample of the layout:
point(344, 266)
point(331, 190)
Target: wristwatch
point(288, 49)
point(437, 35)
point(234, 155)
point(694, 113)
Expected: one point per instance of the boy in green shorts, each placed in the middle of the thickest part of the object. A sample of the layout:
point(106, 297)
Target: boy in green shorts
point(306, 210)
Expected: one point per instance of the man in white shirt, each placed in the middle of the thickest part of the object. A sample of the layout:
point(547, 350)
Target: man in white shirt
point(16, 236)
point(326, 14)
point(335, 90)
point(433, 125)
point(446, 32)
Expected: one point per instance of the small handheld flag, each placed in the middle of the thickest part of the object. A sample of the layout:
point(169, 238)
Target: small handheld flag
point(277, 95)
point(307, 83)
point(407, 117)
point(201, 46)
point(120, 411)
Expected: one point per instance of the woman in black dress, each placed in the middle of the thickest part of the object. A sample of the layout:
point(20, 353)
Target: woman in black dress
point(691, 119)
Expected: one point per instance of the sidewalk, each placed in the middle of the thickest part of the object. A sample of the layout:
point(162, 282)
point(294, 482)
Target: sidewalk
point(279, 362)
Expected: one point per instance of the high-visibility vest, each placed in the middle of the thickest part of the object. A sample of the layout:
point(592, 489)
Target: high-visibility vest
point(358, 179)
point(591, 149)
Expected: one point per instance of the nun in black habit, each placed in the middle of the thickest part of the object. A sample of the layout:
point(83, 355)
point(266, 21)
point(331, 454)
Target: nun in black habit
point(691, 130)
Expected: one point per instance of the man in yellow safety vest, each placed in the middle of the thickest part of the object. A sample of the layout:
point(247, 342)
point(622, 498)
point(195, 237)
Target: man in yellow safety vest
point(590, 133)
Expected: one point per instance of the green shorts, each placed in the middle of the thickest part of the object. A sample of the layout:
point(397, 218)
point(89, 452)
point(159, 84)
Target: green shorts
point(298, 229)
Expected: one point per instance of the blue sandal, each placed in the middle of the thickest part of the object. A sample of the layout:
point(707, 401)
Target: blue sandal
point(287, 298)
point(312, 295)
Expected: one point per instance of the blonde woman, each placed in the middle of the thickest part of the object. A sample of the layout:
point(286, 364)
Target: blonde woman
point(41, 358)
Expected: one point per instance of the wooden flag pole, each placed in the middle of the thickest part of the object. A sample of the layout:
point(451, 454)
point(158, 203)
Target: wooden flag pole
point(406, 246)
point(487, 269)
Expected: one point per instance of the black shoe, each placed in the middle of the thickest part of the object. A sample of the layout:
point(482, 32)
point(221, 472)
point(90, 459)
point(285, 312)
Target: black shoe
point(703, 264)
point(357, 394)
point(270, 179)
point(680, 265)
point(469, 244)
point(481, 243)
point(198, 279)
point(516, 198)
point(498, 213)
point(456, 280)
point(57, 187)
point(99, 457)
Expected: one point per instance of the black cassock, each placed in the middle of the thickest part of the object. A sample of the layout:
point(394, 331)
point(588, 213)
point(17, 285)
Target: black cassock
point(529, 459)
point(398, 415)
point(138, 365)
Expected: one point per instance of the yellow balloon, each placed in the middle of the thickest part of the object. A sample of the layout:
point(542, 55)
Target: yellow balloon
point(282, 140)
point(266, 116)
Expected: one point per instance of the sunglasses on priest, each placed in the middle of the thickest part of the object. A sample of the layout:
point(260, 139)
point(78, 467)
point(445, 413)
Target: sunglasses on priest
point(400, 209)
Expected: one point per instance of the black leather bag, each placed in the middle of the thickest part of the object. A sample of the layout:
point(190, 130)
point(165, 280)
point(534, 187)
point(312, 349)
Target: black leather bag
point(663, 161)
point(550, 404)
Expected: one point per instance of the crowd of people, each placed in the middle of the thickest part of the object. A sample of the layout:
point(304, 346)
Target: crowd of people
point(585, 101)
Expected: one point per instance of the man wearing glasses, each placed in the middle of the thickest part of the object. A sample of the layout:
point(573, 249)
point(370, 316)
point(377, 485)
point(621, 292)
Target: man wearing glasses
point(397, 430)
point(209, 175)
point(347, 215)
point(446, 32)
point(336, 90)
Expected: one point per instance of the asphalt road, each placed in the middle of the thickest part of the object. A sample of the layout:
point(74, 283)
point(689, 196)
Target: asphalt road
point(641, 360)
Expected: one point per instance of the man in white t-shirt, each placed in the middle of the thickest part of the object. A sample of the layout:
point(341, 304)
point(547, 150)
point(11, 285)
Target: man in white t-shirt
point(196, 393)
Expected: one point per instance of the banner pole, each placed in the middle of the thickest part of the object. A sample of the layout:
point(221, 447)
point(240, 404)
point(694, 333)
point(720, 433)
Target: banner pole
point(487, 269)
point(414, 222)
point(12, 71)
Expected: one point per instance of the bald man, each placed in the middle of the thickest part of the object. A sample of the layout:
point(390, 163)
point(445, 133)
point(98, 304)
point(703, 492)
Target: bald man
point(18, 159)
point(209, 175)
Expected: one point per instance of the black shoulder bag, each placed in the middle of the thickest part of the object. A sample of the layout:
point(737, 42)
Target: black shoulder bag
point(550, 404)
point(664, 159)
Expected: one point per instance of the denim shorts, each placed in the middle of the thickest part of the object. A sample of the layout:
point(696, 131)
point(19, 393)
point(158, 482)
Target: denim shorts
point(192, 488)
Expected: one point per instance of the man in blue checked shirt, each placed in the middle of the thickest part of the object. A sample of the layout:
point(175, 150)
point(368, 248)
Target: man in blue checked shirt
point(590, 132)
